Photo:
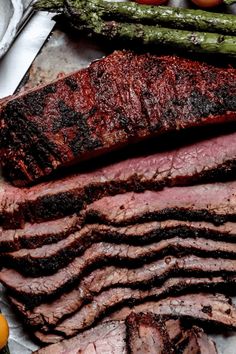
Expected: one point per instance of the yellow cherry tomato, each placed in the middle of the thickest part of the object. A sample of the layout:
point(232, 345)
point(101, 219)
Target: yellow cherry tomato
point(207, 3)
point(4, 332)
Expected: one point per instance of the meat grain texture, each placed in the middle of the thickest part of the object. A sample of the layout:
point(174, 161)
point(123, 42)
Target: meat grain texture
point(207, 159)
point(120, 99)
point(141, 333)
point(34, 236)
point(135, 235)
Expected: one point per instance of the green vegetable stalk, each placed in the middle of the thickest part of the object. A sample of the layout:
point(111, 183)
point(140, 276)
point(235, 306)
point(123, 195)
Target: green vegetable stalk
point(49, 5)
point(104, 19)
point(229, 2)
point(199, 42)
point(164, 16)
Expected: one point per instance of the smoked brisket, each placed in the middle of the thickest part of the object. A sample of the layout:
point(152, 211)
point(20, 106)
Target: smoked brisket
point(148, 334)
point(111, 337)
point(36, 235)
point(117, 100)
point(107, 301)
point(196, 162)
point(195, 341)
point(100, 249)
point(106, 338)
point(215, 310)
point(36, 290)
point(140, 333)
point(214, 202)
point(48, 315)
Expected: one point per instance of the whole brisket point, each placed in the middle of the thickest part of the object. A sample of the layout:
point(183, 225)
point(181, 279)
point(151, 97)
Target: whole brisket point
point(120, 99)
point(205, 160)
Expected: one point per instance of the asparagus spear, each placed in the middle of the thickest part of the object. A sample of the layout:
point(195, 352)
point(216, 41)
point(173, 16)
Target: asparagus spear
point(179, 18)
point(49, 5)
point(229, 2)
point(199, 42)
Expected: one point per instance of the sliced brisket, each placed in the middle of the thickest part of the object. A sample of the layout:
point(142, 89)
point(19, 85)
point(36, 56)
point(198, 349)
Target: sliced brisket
point(50, 258)
point(210, 202)
point(108, 301)
point(34, 291)
point(174, 329)
point(212, 309)
point(195, 341)
point(151, 334)
point(106, 338)
point(37, 235)
point(148, 334)
point(120, 99)
point(197, 161)
point(62, 197)
point(215, 309)
point(49, 314)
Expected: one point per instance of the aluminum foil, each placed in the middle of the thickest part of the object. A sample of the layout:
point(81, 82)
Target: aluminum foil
point(10, 15)
point(20, 342)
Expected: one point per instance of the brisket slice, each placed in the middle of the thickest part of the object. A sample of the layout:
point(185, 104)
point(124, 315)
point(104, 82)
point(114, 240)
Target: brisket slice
point(35, 290)
point(198, 161)
point(118, 100)
point(206, 308)
point(148, 334)
point(174, 329)
point(109, 300)
point(195, 341)
point(37, 235)
point(106, 338)
point(214, 309)
point(49, 314)
point(50, 258)
point(210, 202)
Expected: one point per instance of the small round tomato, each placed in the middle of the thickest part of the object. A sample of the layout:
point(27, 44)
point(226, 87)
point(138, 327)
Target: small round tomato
point(207, 3)
point(151, 2)
point(4, 332)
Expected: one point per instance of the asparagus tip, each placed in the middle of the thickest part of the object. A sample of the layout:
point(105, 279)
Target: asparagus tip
point(49, 5)
point(229, 2)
